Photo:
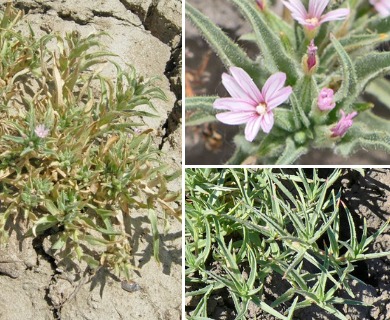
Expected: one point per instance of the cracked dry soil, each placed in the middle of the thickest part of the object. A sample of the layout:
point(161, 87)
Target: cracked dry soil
point(33, 284)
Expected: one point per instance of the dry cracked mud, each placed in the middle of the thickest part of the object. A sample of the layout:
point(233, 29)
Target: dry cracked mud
point(33, 284)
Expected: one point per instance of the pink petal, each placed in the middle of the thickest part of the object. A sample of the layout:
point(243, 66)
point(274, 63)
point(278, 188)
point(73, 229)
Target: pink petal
point(246, 83)
point(298, 11)
point(233, 104)
point(235, 117)
point(383, 9)
point(267, 121)
point(252, 128)
point(272, 85)
point(281, 96)
point(233, 87)
point(317, 7)
point(338, 14)
point(352, 115)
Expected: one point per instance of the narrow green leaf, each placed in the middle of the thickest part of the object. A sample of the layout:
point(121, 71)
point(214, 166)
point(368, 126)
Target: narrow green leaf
point(370, 66)
point(351, 44)
point(204, 103)
point(51, 207)
point(198, 118)
point(380, 88)
point(285, 119)
point(270, 45)
point(348, 87)
point(307, 92)
point(228, 51)
point(291, 153)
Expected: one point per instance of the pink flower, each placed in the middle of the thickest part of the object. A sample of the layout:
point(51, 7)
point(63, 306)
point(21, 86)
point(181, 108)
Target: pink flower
point(382, 6)
point(250, 105)
point(41, 131)
point(325, 99)
point(344, 124)
point(314, 18)
point(311, 54)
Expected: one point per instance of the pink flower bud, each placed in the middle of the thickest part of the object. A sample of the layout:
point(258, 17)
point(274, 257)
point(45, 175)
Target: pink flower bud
point(344, 124)
point(311, 55)
point(325, 99)
point(261, 4)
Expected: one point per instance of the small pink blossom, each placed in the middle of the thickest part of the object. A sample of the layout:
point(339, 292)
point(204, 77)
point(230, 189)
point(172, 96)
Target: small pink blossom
point(344, 124)
point(261, 4)
point(311, 55)
point(250, 105)
point(325, 99)
point(382, 6)
point(314, 17)
point(41, 131)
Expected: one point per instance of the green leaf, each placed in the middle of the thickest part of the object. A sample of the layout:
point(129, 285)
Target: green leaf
point(378, 24)
point(291, 153)
point(42, 224)
point(350, 45)
point(60, 242)
point(348, 89)
point(370, 66)
point(243, 150)
point(299, 114)
point(201, 103)
point(270, 45)
point(307, 92)
point(51, 207)
point(380, 88)
point(228, 51)
point(204, 111)
point(271, 310)
point(285, 119)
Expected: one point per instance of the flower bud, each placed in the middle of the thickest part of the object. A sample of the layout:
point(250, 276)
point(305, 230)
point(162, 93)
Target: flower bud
point(261, 4)
point(340, 129)
point(310, 59)
point(325, 100)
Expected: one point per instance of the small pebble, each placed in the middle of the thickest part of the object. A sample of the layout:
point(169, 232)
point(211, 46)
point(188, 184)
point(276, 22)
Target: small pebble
point(130, 286)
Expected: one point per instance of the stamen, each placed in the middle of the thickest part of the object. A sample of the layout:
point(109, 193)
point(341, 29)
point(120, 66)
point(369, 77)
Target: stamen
point(313, 21)
point(261, 108)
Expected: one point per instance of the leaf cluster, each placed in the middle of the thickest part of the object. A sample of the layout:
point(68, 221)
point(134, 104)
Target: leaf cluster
point(81, 183)
point(243, 226)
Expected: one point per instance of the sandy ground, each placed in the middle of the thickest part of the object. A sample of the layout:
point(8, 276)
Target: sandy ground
point(146, 34)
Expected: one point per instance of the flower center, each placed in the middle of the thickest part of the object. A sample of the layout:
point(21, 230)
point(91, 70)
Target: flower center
point(261, 108)
point(313, 21)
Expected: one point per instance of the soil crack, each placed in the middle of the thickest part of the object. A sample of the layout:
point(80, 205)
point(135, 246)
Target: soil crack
point(109, 14)
point(39, 249)
point(173, 70)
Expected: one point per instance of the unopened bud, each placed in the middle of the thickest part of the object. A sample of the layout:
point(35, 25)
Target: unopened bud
point(261, 4)
point(310, 59)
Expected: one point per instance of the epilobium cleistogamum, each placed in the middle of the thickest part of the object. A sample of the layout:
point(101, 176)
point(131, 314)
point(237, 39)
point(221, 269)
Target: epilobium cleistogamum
point(74, 165)
point(264, 241)
point(327, 55)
